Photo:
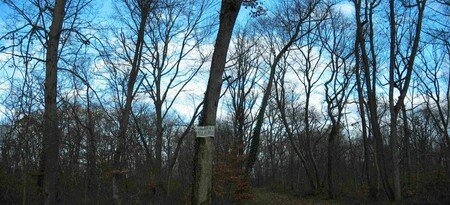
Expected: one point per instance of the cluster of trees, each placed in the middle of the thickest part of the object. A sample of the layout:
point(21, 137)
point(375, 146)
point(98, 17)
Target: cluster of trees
point(307, 96)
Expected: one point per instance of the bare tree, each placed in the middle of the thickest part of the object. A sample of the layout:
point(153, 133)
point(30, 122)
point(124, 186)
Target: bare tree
point(400, 74)
point(370, 66)
point(309, 73)
point(244, 74)
point(281, 98)
point(435, 88)
point(54, 25)
point(51, 134)
point(136, 19)
point(362, 110)
point(201, 190)
point(293, 19)
point(338, 87)
point(177, 31)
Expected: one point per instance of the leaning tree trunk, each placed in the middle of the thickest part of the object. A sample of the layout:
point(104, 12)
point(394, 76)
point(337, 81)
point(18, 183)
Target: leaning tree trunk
point(204, 147)
point(119, 159)
point(253, 153)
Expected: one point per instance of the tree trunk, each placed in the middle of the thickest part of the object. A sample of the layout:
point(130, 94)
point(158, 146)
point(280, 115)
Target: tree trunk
point(395, 158)
point(119, 159)
point(372, 189)
point(402, 85)
point(159, 143)
point(406, 142)
point(253, 153)
point(393, 124)
point(204, 147)
point(370, 79)
point(252, 156)
point(309, 151)
point(91, 156)
point(280, 99)
point(51, 136)
point(330, 159)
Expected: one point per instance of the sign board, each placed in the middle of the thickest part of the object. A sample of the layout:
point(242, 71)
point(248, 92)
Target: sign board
point(205, 131)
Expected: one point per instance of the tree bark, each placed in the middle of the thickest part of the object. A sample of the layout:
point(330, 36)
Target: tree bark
point(159, 140)
point(91, 155)
point(52, 136)
point(406, 142)
point(330, 159)
point(204, 147)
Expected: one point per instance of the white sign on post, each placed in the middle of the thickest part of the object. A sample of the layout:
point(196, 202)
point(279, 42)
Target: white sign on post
point(205, 131)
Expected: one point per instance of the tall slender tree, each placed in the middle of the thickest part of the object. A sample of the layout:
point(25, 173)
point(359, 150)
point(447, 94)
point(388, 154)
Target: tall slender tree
point(52, 136)
point(370, 70)
point(204, 147)
point(338, 87)
point(400, 78)
point(140, 10)
point(294, 18)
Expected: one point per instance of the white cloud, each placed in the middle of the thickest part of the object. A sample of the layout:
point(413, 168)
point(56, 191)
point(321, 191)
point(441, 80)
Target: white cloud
point(345, 8)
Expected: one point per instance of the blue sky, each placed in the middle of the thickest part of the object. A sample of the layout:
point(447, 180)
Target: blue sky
point(105, 10)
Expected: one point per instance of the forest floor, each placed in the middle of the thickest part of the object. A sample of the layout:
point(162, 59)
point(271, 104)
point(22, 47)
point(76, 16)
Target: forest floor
point(263, 196)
